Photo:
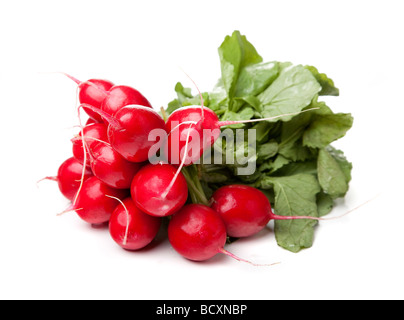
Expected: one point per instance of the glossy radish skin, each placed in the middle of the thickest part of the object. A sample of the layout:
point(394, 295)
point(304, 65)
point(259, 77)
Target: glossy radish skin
point(178, 134)
point(131, 228)
point(91, 121)
point(130, 129)
point(111, 168)
point(122, 96)
point(93, 204)
point(197, 232)
point(244, 210)
point(94, 92)
point(92, 132)
point(149, 186)
point(69, 176)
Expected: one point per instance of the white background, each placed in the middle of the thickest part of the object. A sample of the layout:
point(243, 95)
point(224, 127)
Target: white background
point(145, 44)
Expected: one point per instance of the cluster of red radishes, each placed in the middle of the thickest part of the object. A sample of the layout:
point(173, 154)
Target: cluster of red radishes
point(110, 179)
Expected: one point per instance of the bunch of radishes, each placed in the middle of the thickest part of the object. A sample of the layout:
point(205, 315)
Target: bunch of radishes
point(110, 179)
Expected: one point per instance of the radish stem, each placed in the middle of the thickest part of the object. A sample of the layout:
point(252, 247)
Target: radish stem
point(196, 190)
point(228, 123)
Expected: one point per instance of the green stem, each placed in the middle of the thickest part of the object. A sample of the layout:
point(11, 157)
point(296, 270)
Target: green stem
point(164, 114)
point(193, 191)
point(195, 187)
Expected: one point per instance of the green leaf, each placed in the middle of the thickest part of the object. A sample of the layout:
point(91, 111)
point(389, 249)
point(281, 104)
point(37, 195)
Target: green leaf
point(235, 54)
point(309, 167)
point(184, 98)
point(324, 204)
point(267, 150)
point(291, 145)
point(331, 175)
point(196, 100)
point(262, 130)
point(291, 92)
point(218, 97)
point(342, 161)
point(327, 128)
point(215, 177)
point(273, 165)
point(295, 196)
point(245, 114)
point(248, 179)
point(182, 92)
point(322, 108)
point(173, 105)
point(327, 85)
point(251, 101)
point(256, 78)
point(295, 151)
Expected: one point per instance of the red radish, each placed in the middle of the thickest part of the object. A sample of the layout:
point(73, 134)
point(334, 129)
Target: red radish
point(91, 121)
point(149, 190)
point(93, 92)
point(188, 122)
point(131, 228)
point(122, 96)
point(93, 133)
point(93, 203)
point(106, 163)
point(69, 176)
point(198, 233)
point(129, 130)
point(110, 167)
point(245, 210)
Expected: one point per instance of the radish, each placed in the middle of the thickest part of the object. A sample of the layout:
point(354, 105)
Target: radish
point(131, 228)
point(131, 136)
point(190, 122)
point(106, 96)
point(198, 233)
point(121, 96)
point(93, 133)
point(152, 192)
point(110, 167)
point(91, 121)
point(69, 176)
point(246, 210)
point(92, 92)
point(129, 130)
point(94, 203)
point(106, 163)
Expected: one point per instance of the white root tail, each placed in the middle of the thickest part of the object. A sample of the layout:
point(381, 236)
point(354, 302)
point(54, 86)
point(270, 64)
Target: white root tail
point(184, 157)
point(231, 255)
point(228, 123)
point(125, 238)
